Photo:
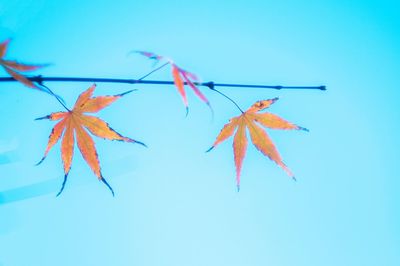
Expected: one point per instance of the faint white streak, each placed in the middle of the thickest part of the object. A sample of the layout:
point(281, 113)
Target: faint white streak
point(8, 151)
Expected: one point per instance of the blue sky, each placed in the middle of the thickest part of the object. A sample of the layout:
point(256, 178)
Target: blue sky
point(176, 205)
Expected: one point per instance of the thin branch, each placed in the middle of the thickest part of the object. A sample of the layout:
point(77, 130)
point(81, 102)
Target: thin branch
point(275, 87)
point(210, 85)
point(41, 80)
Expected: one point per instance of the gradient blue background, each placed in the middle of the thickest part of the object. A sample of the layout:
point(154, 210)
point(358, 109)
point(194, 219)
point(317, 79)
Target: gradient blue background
point(176, 205)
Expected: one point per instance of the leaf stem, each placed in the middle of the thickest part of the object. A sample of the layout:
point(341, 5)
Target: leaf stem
point(56, 96)
point(154, 70)
point(227, 97)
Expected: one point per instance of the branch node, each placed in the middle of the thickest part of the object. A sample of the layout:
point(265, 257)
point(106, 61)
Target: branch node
point(210, 85)
point(39, 79)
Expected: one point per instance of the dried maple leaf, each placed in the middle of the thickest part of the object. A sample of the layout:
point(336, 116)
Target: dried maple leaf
point(13, 67)
point(75, 123)
point(181, 77)
point(252, 120)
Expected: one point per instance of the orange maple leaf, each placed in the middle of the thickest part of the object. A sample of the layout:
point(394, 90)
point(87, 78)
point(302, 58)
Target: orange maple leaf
point(180, 77)
point(75, 122)
point(252, 120)
point(13, 67)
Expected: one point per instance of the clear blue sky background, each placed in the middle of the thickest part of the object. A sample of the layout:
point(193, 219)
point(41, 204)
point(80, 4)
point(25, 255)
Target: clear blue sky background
point(176, 205)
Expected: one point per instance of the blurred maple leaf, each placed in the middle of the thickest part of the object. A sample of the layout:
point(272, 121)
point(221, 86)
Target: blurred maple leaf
point(13, 67)
point(180, 77)
point(251, 120)
point(75, 122)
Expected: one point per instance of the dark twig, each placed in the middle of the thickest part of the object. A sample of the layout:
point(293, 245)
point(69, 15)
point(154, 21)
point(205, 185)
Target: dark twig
point(210, 85)
point(275, 87)
point(161, 82)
